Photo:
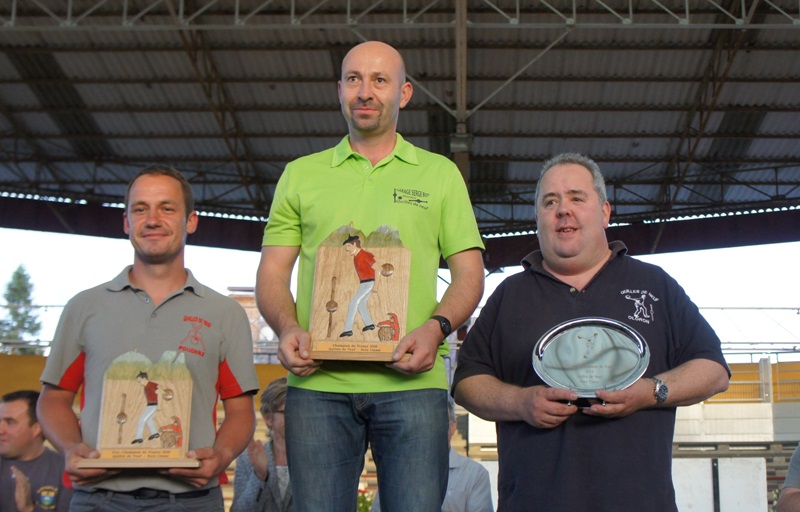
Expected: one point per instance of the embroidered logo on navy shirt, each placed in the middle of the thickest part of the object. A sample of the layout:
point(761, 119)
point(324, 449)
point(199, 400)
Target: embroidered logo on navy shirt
point(411, 197)
point(193, 341)
point(642, 302)
point(46, 496)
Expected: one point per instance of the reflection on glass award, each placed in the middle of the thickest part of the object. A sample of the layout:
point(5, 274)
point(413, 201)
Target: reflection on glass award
point(588, 354)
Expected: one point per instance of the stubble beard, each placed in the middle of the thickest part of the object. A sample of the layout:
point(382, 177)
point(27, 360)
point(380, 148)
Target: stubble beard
point(365, 124)
point(159, 256)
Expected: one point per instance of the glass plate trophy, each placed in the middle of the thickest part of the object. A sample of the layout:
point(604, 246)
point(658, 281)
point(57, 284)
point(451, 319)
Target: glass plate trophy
point(585, 355)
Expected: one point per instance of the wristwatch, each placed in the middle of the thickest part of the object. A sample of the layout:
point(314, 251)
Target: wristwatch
point(444, 324)
point(661, 390)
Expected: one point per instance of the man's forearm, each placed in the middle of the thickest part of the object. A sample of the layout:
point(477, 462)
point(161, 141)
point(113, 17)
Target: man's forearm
point(273, 287)
point(789, 500)
point(57, 418)
point(489, 398)
point(466, 288)
point(694, 381)
point(237, 429)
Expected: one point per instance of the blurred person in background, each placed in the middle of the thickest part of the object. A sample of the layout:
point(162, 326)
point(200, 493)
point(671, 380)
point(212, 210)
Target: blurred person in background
point(261, 480)
point(789, 500)
point(30, 473)
point(469, 488)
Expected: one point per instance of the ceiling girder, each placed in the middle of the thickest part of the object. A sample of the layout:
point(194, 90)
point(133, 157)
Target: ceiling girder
point(346, 14)
point(231, 233)
point(231, 133)
point(726, 46)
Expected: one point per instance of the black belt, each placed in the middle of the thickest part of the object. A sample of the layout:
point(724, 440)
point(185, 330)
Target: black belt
point(155, 494)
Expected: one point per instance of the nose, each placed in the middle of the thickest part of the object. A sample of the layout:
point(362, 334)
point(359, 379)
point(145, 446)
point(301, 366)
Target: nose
point(153, 217)
point(365, 90)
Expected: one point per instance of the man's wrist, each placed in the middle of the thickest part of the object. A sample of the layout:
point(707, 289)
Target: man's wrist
point(660, 390)
point(444, 325)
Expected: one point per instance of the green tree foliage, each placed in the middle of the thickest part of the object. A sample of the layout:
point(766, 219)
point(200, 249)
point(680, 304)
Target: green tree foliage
point(364, 501)
point(21, 319)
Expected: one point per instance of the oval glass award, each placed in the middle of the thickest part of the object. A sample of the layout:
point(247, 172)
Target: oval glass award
point(588, 354)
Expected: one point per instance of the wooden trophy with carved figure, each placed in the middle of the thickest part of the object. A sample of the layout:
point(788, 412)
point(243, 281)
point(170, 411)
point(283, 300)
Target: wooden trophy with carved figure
point(360, 299)
point(144, 414)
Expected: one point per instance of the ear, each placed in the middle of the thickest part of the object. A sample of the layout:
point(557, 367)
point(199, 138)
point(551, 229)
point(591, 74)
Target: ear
point(406, 90)
point(606, 214)
point(126, 226)
point(37, 430)
point(191, 222)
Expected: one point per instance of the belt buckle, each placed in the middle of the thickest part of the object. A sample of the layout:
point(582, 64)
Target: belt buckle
point(149, 494)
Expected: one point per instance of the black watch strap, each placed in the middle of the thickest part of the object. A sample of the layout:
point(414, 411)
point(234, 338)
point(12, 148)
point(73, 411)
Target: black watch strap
point(444, 324)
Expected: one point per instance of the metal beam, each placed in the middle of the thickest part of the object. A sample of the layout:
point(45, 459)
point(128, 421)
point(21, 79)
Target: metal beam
point(21, 15)
point(729, 231)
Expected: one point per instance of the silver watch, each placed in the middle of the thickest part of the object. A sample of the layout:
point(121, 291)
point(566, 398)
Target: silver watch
point(661, 390)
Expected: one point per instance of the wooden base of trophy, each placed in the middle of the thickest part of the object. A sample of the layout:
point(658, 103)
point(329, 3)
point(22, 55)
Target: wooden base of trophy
point(359, 305)
point(378, 351)
point(139, 458)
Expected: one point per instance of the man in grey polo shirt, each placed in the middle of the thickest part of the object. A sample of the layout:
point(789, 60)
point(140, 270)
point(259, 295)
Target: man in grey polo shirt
point(154, 306)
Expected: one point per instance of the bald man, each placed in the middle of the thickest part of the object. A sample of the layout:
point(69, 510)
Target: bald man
point(373, 179)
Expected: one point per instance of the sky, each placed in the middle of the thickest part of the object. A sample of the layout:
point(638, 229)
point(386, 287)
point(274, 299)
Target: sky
point(762, 279)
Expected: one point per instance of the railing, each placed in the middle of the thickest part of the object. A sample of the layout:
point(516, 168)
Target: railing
point(741, 391)
point(787, 391)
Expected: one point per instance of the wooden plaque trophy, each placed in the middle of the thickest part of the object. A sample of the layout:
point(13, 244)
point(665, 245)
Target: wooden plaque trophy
point(359, 303)
point(144, 414)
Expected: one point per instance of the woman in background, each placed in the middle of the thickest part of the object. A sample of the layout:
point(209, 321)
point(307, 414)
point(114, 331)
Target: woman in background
point(261, 479)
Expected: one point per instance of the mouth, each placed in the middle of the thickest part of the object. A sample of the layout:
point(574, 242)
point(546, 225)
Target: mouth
point(152, 235)
point(364, 107)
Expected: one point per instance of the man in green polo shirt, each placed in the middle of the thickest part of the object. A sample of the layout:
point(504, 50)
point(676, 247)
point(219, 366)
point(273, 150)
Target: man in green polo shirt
point(373, 179)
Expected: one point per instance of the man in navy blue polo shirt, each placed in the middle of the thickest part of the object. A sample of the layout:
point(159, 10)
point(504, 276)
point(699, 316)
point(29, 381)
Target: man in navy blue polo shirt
point(615, 455)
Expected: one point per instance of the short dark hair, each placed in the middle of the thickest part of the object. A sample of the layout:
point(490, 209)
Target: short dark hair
point(587, 163)
point(27, 395)
point(165, 170)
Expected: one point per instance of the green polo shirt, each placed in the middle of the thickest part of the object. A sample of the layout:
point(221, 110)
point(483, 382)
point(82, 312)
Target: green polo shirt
point(418, 193)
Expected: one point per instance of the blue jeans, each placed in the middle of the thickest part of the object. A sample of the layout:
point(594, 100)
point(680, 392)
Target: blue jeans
point(327, 436)
point(109, 501)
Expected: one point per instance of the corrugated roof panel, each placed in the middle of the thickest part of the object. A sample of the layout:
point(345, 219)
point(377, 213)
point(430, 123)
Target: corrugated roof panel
point(38, 123)
point(17, 95)
point(594, 86)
